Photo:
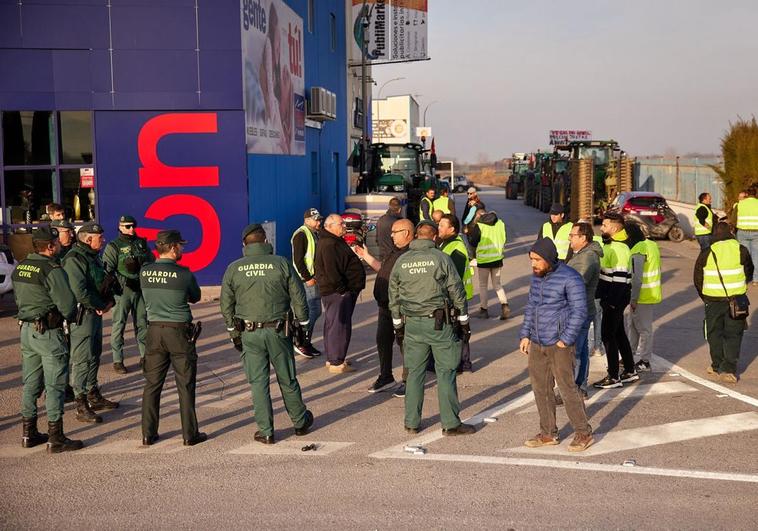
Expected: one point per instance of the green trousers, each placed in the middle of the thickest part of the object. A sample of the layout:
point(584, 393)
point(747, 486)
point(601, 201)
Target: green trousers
point(259, 348)
point(131, 302)
point(86, 348)
point(422, 341)
point(168, 345)
point(44, 366)
point(724, 336)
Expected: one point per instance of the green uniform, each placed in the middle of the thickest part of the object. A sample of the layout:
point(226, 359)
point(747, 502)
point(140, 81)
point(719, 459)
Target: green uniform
point(168, 288)
point(421, 282)
point(85, 274)
point(259, 289)
point(41, 285)
point(125, 255)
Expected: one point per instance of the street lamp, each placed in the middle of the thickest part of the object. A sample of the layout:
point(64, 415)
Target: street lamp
point(427, 108)
point(387, 83)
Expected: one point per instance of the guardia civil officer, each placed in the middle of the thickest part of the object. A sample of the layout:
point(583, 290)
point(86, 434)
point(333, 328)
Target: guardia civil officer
point(125, 256)
point(168, 288)
point(424, 287)
point(66, 235)
point(44, 300)
point(94, 297)
point(256, 295)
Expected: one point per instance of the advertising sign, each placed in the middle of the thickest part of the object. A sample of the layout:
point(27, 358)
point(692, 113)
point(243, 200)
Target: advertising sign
point(273, 78)
point(397, 30)
point(562, 137)
point(424, 132)
point(396, 131)
point(86, 178)
point(176, 170)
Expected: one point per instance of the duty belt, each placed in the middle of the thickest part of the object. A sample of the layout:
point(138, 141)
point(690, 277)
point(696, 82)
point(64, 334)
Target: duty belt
point(243, 325)
point(168, 324)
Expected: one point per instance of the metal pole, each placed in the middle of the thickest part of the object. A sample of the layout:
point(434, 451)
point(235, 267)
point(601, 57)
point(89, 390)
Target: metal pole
point(426, 109)
point(364, 91)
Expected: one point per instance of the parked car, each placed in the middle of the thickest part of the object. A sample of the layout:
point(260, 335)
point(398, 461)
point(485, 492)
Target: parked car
point(651, 212)
point(461, 184)
point(7, 266)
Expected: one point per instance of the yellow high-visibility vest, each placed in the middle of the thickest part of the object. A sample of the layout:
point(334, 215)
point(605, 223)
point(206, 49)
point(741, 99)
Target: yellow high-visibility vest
point(561, 238)
point(468, 273)
point(421, 216)
point(732, 273)
point(747, 214)
point(702, 230)
point(490, 248)
point(310, 251)
point(650, 291)
point(442, 203)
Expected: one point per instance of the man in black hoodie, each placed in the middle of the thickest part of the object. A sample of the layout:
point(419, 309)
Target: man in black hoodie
point(722, 271)
point(384, 227)
point(340, 276)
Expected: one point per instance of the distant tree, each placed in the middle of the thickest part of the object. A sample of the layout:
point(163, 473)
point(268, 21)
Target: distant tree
point(739, 148)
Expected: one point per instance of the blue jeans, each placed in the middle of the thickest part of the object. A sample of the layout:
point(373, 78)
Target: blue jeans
point(749, 238)
point(582, 367)
point(313, 298)
point(704, 240)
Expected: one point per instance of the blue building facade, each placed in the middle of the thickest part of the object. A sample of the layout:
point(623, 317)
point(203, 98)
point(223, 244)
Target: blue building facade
point(137, 106)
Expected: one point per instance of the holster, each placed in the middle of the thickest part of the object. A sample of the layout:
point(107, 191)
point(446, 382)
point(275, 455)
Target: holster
point(53, 319)
point(193, 331)
point(439, 318)
point(80, 311)
point(133, 284)
point(239, 324)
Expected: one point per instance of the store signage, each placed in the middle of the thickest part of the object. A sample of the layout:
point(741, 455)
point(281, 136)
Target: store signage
point(397, 30)
point(87, 178)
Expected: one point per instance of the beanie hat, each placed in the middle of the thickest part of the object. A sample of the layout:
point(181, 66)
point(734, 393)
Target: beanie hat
point(545, 248)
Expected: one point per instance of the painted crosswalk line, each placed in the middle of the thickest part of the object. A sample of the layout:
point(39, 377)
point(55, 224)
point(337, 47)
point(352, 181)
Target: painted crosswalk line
point(622, 440)
point(134, 446)
point(292, 447)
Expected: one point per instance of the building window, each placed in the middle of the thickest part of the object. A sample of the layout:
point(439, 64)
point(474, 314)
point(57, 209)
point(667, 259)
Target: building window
point(47, 158)
point(311, 15)
point(315, 184)
point(333, 28)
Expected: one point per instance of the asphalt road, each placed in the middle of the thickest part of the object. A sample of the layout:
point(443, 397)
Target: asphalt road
point(692, 440)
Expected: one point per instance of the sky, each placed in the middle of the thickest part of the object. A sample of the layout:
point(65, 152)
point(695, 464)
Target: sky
point(664, 76)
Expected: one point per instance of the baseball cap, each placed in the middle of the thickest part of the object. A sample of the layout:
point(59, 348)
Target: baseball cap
point(312, 213)
point(45, 234)
point(253, 227)
point(170, 236)
point(92, 227)
point(556, 208)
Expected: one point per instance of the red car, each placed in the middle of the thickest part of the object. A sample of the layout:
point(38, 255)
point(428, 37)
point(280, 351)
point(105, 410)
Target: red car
point(651, 212)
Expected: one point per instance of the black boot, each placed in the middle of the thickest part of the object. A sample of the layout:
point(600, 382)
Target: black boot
point(84, 413)
point(97, 402)
point(505, 311)
point(58, 441)
point(31, 437)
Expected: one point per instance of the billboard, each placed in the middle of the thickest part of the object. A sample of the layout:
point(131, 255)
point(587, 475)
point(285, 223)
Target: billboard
point(560, 137)
point(273, 78)
point(176, 170)
point(395, 131)
point(397, 30)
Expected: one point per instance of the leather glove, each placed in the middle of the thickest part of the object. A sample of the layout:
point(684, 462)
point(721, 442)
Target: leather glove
point(464, 331)
point(400, 335)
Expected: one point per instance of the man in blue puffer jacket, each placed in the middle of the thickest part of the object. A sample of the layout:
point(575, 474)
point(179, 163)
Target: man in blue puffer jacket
point(555, 312)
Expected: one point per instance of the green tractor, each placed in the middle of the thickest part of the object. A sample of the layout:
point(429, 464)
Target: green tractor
point(515, 185)
point(587, 175)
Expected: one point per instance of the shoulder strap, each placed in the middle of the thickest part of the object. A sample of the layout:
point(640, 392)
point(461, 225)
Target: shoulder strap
point(716, 263)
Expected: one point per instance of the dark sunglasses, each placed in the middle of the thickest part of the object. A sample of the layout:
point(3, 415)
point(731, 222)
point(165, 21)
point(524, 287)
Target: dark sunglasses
point(128, 225)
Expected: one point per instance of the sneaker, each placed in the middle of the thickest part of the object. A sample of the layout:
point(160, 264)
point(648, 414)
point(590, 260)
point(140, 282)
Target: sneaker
point(597, 353)
point(303, 351)
point(608, 383)
point(315, 351)
point(381, 385)
point(728, 377)
point(642, 366)
point(581, 442)
point(505, 311)
point(119, 368)
point(340, 369)
point(541, 440)
point(400, 391)
point(628, 377)
point(483, 313)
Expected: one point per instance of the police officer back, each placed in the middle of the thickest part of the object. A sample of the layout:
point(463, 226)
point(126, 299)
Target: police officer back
point(125, 256)
point(168, 288)
point(44, 300)
point(94, 297)
point(424, 287)
point(256, 294)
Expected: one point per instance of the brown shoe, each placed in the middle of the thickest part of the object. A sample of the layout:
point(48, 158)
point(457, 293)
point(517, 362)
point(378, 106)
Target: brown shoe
point(541, 440)
point(728, 377)
point(341, 369)
point(710, 370)
point(581, 442)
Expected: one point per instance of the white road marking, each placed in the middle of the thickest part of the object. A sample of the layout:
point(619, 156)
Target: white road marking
point(134, 446)
point(634, 391)
point(291, 447)
point(706, 383)
point(573, 465)
point(685, 430)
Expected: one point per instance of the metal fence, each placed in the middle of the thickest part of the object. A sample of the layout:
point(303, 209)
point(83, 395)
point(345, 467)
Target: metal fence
point(679, 179)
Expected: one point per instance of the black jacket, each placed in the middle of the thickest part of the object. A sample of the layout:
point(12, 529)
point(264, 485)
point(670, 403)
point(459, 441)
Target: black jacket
point(384, 233)
point(697, 275)
point(299, 248)
point(382, 281)
point(338, 269)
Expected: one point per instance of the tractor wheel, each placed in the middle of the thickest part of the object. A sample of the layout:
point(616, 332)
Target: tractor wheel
point(676, 234)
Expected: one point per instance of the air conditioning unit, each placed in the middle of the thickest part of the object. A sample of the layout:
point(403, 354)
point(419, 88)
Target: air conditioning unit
point(322, 104)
